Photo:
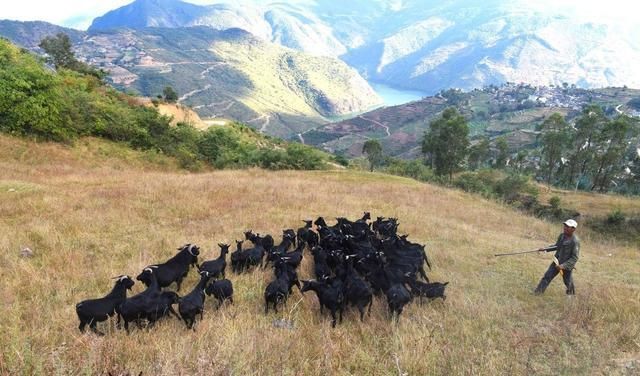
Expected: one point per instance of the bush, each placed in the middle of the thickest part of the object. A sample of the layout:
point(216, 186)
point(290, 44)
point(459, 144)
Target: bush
point(473, 182)
point(341, 160)
point(513, 185)
point(555, 202)
point(414, 169)
point(616, 218)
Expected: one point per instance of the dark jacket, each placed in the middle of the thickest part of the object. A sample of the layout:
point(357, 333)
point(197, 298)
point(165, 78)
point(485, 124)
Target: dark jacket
point(568, 251)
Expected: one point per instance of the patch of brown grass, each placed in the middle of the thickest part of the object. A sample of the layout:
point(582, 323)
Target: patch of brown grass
point(89, 217)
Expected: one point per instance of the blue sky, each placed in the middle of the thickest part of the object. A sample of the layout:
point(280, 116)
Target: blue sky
point(79, 13)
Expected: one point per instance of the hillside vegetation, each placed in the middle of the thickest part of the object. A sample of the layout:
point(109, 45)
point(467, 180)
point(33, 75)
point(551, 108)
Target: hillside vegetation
point(65, 105)
point(513, 111)
point(95, 210)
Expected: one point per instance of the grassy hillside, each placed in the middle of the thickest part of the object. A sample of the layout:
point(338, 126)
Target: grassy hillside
point(93, 211)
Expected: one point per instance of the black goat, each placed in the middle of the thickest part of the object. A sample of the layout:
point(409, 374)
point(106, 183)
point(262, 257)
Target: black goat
point(265, 241)
point(356, 291)
point(93, 311)
point(294, 258)
point(279, 290)
point(177, 267)
point(306, 235)
point(222, 290)
point(192, 304)
point(397, 297)
point(216, 267)
point(238, 258)
point(288, 239)
point(136, 307)
point(163, 307)
point(320, 266)
point(431, 290)
point(276, 292)
point(329, 296)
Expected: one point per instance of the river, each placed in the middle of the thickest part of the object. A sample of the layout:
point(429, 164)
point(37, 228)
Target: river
point(393, 97)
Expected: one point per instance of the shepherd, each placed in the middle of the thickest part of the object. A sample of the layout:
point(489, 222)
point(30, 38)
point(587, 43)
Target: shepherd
point(567, 249)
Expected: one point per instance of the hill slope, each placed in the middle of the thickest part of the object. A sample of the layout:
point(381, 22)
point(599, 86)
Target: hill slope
point(511, 110)
point(224, 74)
point(87, 222)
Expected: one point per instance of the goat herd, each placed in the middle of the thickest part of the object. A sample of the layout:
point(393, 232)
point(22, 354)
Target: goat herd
point(353, 261)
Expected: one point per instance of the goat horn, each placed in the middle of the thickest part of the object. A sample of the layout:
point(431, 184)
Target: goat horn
point(118, 277)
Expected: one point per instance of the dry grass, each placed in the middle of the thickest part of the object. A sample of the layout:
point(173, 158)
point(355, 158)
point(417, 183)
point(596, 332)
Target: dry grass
point(89, 217)
point(592, 204)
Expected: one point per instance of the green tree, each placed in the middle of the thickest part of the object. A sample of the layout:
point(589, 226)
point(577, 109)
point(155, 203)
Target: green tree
point(479, 153)
point(588, 126)
point(555, 139)
point(373, 150)
point(609, 155)
point(61, 56)
point(30, 99)
point(59, 50)
point(170, 94)
point(446, 143)
point(502, 152)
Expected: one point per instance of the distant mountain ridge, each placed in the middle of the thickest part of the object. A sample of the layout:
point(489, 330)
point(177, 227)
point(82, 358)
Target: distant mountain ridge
point(425, 45)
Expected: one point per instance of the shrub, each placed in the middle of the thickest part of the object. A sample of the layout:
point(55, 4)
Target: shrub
point(616, 217)
point(555, 202)
point(414, 169)
point(473, 182)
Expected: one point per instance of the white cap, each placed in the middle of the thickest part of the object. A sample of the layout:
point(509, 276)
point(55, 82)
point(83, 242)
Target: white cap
point(571, 223)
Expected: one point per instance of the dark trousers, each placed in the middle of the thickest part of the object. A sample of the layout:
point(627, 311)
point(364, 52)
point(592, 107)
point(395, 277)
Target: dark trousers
point(551, 273)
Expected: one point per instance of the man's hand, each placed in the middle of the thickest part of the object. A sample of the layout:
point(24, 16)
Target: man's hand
point(560, 267)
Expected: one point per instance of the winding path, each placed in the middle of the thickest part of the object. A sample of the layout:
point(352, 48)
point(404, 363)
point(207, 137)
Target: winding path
point(194, 92)
point(386, 128)
point(267, 118)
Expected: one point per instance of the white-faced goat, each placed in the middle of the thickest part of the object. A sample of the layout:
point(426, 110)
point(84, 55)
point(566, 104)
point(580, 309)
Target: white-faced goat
point(177, 267)
point(192, 304)
point(93, 311)
point(217, 267)
point(222, 290)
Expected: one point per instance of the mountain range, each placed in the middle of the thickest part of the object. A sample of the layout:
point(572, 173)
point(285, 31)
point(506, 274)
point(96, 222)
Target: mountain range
point(289, 68)
point(425, 45)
